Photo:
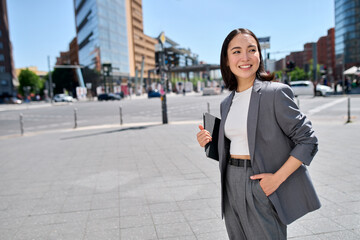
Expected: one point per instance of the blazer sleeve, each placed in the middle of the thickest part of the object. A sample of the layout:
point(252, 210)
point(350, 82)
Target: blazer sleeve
point(295, 125)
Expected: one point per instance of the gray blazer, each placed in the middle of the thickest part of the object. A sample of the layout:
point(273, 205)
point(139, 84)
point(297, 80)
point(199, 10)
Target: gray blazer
point(276, 129)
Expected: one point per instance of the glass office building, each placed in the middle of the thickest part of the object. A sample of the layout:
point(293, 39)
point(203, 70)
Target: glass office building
point(102, 34)
point(347, 33)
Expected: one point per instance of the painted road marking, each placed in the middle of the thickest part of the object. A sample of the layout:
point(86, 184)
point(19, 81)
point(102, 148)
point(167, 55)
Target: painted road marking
point(325, 106)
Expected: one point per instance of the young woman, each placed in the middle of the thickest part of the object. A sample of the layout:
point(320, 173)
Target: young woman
point(264, 144)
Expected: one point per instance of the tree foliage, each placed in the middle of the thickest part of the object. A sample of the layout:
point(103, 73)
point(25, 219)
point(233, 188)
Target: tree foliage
point(28, 79)
point(298, 74)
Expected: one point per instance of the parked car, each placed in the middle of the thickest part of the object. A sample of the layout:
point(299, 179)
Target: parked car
point(323, 90)
point(302, 87)
point(108, 96)
point(154, 93)
point(63, 98)
point(15, 100)
point(211, 91)
point(11, 100)
point(306, 87)
point(121, 94)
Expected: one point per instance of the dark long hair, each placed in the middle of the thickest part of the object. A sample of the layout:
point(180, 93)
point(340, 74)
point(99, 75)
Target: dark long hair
point(228, 77)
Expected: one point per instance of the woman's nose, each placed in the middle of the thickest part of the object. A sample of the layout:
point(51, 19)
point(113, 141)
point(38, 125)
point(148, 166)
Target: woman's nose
point(244, 56)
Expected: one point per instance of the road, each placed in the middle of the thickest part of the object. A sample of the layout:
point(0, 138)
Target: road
point(43, 117)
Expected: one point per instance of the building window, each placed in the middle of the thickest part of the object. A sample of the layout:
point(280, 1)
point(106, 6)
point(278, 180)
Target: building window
point(1, 45)
point(4, 82)
point(2, 69)
point(0, 33)
point(2, 58)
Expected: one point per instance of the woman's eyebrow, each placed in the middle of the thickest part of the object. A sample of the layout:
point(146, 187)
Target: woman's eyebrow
point(250, 46)
point(235, 48)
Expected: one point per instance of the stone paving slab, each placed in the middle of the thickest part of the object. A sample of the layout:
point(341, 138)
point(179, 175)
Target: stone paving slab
point(153, 182)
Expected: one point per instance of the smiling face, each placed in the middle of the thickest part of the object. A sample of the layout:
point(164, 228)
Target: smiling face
point(243, 58)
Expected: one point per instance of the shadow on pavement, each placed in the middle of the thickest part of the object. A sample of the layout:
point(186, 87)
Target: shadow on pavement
point(109, 132)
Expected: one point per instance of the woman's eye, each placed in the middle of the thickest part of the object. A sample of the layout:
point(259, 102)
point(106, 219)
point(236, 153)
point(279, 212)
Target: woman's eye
point(236, 52)
point(252, 50)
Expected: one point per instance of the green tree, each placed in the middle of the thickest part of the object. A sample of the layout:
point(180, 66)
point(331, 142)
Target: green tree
point(28, 80)
point(298, 74)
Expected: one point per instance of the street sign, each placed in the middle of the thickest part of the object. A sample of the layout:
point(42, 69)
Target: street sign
point(264, 42)
point(265, 45)
point(162, 37)
point(264, 39)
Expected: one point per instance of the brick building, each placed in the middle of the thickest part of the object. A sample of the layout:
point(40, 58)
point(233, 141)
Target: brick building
point(321, 47)
point(330, 55)
point(70, 57)
point(8, 80)
point(297, 58)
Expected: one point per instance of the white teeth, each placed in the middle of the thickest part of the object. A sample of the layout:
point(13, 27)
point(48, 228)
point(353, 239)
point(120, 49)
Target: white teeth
point(244, 66)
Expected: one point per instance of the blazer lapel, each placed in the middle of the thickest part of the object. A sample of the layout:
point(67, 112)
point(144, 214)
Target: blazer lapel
point(227, 107)
point(224, 113)
point(253, 116)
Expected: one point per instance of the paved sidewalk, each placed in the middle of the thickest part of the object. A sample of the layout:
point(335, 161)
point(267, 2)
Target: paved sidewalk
point(153, 182)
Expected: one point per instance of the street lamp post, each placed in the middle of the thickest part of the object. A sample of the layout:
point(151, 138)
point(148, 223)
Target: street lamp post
point(163, 97)
point(106, 69)
point(343, 75)
point(50, 82)
point(162, 71)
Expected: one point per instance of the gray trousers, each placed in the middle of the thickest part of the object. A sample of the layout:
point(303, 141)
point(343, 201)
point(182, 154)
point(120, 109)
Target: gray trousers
point(249, 214)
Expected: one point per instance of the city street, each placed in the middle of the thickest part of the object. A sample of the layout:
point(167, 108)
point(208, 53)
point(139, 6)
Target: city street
point(84, 168)
point(40, 117)
point(145, 180)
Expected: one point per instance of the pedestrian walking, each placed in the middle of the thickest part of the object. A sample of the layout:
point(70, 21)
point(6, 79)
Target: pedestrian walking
point(264, 144)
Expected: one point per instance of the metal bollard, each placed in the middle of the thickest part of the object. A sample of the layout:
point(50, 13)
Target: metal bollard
point(348, 112)
point(164, 109)
point(208, 107)
point(121, 119)
point(75, 117)
point(21, 124)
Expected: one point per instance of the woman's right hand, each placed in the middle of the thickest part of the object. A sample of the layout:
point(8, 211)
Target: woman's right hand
point(203, 136)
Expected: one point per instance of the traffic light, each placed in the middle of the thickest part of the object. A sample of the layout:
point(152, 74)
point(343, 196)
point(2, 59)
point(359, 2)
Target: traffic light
point(323, 71)
point(290, 65)
point(157, 62)
point(107, 69)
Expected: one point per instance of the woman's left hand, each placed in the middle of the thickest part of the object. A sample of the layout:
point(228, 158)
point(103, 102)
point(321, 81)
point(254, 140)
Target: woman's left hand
point(268, 182)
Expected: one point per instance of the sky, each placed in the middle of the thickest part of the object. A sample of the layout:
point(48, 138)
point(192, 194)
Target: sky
point(42, 28)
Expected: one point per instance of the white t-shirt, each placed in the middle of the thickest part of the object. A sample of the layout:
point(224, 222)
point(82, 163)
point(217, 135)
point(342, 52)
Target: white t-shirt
point(236, 123)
